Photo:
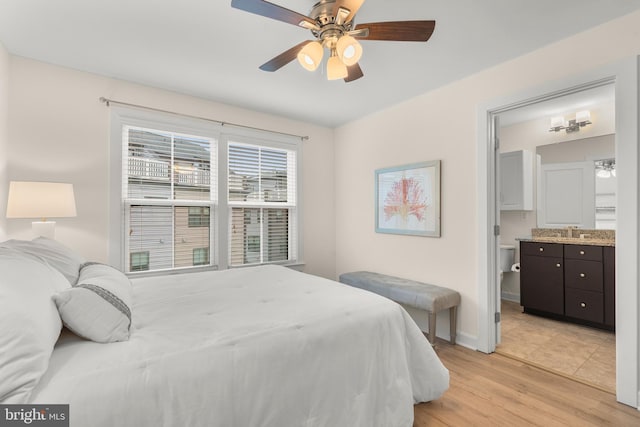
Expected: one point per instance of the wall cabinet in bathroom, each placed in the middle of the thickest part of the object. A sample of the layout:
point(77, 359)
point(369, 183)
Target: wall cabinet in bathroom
point(516, 181)
point(567, 281)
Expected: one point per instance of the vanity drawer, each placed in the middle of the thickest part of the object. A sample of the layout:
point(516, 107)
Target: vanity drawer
point(585, 275)
point(587, 252)
point(541, 249)
point(584, 305)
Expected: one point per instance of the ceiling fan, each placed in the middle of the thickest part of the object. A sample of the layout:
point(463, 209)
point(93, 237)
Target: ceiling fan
point(332, 24)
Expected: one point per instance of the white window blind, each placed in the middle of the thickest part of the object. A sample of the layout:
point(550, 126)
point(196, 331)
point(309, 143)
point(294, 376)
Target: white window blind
point(169, 199)
point(262, 204)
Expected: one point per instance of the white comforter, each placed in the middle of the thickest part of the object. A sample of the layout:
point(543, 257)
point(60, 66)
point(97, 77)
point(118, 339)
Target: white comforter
point(261, 346)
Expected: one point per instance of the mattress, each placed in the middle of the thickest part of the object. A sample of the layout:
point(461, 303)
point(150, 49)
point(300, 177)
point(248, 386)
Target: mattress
point(259, 346)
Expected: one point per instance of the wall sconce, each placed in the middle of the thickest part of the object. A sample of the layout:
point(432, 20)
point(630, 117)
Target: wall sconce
point(582, 119)
point(41, 200)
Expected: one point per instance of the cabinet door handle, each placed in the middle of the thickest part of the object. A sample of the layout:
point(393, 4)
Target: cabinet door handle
point(581, 252)
point(583, 305)
point(582, 275)
point(558, 265)
point(541, 249)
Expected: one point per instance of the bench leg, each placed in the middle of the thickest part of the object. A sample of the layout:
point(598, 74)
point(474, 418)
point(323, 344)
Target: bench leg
point(453, 320)
point(432, 328)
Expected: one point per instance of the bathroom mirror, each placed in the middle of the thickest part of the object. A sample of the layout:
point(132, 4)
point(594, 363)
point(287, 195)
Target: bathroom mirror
point(576, 183)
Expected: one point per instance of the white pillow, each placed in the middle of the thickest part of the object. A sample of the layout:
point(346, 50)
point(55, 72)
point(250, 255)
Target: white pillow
point(98, 307)
point(54, 253)
point(29, 320)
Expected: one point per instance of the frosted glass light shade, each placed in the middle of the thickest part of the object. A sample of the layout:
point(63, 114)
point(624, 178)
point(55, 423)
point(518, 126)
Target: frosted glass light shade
point(310, 56)
point(349, 50)
point(40, 200)
point(557, 122)
point(336, 69)
point(583, 116)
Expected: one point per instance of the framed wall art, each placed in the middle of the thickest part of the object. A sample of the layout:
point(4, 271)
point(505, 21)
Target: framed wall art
point(408, 199)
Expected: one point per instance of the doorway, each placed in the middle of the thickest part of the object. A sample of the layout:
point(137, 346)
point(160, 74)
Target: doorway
point(546, 149)
point(624, 75)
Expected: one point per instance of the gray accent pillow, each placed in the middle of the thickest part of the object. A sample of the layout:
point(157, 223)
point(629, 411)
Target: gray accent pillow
point(98, 307)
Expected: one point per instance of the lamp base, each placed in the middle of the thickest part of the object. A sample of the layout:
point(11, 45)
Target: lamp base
point(44, 228)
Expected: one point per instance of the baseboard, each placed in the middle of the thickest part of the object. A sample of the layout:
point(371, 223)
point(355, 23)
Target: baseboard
point(508, 296)
point(468, 341)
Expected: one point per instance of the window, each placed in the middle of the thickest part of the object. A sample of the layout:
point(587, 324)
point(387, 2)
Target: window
point(139, 261)
point(198, 216)
point(168, 189)
point(168, 202)
point(262, 204)
point(201, 256)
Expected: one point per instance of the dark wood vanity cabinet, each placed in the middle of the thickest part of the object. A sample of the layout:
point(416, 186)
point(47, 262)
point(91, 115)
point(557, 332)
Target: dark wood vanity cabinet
point(609, 261)
point(542, 286)
point(574, 282)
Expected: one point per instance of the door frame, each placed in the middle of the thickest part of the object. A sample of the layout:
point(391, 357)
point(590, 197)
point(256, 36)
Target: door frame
point(624, 74)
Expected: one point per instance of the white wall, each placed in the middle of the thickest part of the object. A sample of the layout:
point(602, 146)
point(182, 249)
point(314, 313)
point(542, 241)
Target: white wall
point(59, 131)
point(4, 137)
point(442, 125)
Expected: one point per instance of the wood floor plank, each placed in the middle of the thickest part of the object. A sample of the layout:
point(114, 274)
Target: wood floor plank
point(493, 390)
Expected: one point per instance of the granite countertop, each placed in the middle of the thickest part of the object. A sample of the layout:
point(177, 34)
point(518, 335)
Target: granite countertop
point(569, 240)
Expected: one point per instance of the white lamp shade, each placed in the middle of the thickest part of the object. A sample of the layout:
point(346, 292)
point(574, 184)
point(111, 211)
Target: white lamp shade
point(336, 69)
point(349, 50)
point(557, 121)
point(583, 116)
point(40, 200)
point(310, 56)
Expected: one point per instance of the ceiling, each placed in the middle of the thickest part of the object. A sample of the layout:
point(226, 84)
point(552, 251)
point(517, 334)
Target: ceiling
point(207, 49)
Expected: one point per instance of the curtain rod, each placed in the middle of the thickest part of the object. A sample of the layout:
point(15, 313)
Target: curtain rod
point(108, 101)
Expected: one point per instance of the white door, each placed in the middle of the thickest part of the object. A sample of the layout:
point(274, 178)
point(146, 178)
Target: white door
point(567, 195)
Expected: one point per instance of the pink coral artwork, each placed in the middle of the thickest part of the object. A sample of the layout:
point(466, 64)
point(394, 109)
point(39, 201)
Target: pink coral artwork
point(408, 199)
point(405, 198)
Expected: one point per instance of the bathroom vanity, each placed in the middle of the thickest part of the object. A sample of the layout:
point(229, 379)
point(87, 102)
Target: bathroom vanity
point(569, 279)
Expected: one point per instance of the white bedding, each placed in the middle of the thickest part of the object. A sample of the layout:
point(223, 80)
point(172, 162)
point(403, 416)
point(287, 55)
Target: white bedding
point(260, 346)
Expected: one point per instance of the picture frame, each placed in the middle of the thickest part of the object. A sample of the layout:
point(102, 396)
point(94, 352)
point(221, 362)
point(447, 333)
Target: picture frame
point(408, 199)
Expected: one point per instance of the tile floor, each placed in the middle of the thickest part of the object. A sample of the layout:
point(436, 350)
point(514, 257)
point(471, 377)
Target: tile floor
point(576, 351)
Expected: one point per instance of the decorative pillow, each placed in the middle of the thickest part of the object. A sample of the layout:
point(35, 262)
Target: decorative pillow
point(29, 320)
point(54, 253)
point(98, 307)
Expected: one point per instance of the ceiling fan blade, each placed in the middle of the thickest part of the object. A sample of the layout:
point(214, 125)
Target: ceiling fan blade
point(273, 11)
point(354, 73)
point(352, 5)
point(404, 31)
point(284, 58)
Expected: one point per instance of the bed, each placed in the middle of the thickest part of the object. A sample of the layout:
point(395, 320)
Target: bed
point(258, 346)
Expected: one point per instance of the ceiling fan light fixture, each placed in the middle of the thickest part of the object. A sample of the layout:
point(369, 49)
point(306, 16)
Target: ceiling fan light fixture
point(336, 69)
point(310, 56)
point(349, 50)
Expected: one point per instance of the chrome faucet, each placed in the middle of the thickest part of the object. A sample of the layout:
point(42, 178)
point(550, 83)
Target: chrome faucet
point(570, 229)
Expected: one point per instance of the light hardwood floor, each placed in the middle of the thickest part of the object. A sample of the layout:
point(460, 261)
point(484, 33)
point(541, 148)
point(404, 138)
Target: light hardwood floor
point(494, 390)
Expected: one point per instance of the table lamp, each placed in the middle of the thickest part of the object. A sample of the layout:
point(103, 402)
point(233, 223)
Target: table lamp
point(41, 200)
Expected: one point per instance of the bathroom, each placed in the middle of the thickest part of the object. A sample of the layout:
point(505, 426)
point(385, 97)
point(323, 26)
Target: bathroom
point(565, 185)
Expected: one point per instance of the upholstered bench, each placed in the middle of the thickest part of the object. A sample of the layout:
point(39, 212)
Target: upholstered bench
point(415, 294)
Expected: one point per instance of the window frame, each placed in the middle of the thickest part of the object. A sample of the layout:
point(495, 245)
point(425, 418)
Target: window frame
point(223, 134)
